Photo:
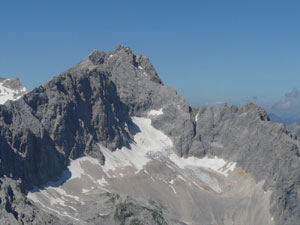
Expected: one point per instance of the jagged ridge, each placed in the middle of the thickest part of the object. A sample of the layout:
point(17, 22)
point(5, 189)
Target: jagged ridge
point(92, 102)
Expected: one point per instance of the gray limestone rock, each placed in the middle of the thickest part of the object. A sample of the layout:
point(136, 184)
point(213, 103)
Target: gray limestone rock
point(13, 83)
point(16, 209)
point(61, 120)
point(92, 103)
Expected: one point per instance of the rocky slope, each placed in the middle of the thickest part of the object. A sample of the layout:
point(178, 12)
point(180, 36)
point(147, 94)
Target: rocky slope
point(93, 110)
point(17, 209)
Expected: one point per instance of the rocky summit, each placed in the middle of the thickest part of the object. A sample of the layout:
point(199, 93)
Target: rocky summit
point(107, 143)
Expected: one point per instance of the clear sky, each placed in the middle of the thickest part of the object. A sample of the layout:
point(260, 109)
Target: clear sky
point(212, 50)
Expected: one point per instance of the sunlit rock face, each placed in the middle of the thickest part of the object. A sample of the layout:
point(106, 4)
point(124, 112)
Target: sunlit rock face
point(107, 143)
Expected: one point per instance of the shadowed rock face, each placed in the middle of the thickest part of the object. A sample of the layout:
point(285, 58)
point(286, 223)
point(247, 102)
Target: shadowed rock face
point(16, 209)
point(93, 102)
point(58, 121)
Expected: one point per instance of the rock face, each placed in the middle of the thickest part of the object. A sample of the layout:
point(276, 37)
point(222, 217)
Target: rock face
point(60, 121)
point(11, 89)
point(16, 209)
point(89, 108)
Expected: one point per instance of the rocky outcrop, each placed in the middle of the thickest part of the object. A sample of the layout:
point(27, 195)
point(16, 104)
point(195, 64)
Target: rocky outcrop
point(16, 209)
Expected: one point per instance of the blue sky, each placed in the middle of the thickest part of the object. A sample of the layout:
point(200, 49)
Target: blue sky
point(208, 50)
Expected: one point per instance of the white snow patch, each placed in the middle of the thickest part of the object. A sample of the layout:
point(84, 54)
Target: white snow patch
point(102, 182)
point(215, 164)
point(209, 180)
point(196, 117)
point(147, 141)
point(85, 191)
point(10, 94)
point(75, 168)
point(151, 144)
point(173, 189)
point(53, 199)
point(144, 72)
point(155, 112)
point(146, 172)
point(198, 186)
point(181, 177)
point(52, 194)
point(63, 193)
point(36, 198)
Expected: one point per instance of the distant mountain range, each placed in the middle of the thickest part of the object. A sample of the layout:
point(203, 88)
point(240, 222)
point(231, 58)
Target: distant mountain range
point(288, 109)
point(11, 89)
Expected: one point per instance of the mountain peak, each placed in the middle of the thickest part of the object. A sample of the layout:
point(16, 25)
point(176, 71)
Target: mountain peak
point(122, 47)
point(121, 57)
point(111, 115)
point(11, 89)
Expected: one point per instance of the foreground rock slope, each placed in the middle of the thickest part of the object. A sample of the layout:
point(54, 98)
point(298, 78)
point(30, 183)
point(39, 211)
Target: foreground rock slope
point(212, 165)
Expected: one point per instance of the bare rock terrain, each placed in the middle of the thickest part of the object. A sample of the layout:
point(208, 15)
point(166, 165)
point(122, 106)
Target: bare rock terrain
point(107, 143)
